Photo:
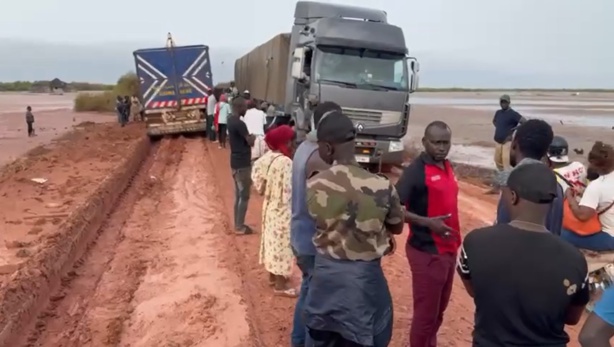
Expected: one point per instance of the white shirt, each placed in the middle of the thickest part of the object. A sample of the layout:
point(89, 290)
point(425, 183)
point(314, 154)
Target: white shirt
point(598, 195)
point(211, 105)
point(255, 121)
point(575, 173)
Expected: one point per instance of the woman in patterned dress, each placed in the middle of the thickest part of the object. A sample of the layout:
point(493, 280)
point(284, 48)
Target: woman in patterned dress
point(272, 174)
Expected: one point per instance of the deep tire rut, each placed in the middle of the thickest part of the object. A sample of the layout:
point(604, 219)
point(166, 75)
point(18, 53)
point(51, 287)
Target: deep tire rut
point(118, 245)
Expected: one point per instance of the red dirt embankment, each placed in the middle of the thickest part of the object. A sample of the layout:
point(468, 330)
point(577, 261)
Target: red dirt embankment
point(47, 225)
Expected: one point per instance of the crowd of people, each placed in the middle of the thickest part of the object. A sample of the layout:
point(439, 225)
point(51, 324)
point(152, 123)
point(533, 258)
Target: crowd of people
point(336, 220)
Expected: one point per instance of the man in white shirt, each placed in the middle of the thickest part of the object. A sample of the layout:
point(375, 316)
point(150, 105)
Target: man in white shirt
point(255, 120)
point(567, 173)
point(211, 101)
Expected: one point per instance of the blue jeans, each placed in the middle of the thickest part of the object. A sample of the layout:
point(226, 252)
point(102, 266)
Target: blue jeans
point(598, 242)
point(243, 186)
point(299, 330)
point(604, 308)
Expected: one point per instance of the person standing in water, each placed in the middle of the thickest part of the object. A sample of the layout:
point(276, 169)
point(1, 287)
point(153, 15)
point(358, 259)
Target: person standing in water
point(30, 121)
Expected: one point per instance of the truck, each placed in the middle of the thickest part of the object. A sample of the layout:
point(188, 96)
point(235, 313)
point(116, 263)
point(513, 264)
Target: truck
point(174, 84)
point(346, 54)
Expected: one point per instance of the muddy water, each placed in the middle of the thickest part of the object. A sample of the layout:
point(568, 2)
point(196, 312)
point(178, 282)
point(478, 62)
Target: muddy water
point(188, 296)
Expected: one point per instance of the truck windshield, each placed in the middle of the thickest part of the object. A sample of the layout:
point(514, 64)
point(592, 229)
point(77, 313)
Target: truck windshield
point(361, 67)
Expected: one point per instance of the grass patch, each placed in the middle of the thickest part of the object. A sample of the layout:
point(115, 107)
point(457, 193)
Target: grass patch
point(127, 84)
point(95, 102)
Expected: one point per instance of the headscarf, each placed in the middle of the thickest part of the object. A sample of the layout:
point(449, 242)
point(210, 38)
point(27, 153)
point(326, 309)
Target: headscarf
point(277, 139)
point(223, 97)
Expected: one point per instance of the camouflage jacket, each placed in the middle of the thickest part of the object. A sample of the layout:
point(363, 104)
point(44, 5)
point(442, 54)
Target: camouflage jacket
point(352, 207)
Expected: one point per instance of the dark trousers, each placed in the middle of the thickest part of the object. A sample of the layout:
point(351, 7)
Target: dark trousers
point(221, 134)
point(210, 128)
point(299, 330)
point(30, 128)
point(432, 278)
point(243, 184)
point(330, 339)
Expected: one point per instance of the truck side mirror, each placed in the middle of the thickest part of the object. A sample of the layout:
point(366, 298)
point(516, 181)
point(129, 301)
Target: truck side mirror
point(415, 70)
point(298, 57)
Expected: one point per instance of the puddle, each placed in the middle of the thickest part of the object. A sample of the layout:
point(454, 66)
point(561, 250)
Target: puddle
point(472, 155)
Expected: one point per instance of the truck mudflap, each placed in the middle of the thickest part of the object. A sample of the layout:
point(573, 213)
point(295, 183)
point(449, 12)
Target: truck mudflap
point(386, 152)
point(176, 128)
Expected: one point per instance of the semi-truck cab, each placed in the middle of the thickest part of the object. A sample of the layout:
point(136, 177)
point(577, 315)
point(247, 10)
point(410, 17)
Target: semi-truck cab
point(354, 57)
point(345, 54)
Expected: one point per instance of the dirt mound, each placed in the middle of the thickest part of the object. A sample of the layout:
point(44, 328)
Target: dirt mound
point(51, 207)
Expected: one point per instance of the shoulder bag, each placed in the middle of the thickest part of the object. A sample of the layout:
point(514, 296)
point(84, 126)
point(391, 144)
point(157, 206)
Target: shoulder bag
point(573, 224)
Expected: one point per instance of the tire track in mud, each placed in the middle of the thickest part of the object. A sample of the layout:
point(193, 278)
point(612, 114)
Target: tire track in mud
point(162, 271)
point(67, 319)
point(191, 294)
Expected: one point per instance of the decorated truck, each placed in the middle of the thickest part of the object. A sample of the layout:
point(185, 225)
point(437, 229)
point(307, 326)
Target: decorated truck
point(174, 82)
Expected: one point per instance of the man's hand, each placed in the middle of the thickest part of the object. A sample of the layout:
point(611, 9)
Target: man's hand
point(251, 139)
point(570, 194)
point(393, 246)
point(438, 226)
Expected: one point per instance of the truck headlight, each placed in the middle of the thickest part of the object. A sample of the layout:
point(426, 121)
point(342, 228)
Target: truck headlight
point(395, 146)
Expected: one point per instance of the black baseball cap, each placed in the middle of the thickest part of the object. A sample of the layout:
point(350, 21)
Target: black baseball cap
point(534, 182)
point(336, 128)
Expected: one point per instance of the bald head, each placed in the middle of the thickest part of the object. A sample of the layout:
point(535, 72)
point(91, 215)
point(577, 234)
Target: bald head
point(436, 126)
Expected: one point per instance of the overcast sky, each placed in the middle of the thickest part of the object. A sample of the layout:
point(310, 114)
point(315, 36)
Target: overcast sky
point(542, 37)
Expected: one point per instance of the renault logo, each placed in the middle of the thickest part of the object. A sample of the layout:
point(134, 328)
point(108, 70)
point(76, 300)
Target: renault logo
point(360, 127)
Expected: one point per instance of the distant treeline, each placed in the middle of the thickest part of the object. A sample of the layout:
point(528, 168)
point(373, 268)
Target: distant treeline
point(87, 101)
point(44, 86)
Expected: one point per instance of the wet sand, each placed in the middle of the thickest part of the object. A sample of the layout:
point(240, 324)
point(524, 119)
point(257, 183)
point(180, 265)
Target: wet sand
point(53, 117)
point(472, 124)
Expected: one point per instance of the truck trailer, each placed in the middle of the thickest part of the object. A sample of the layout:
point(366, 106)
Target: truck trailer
point(346, 54)
point(174, 84)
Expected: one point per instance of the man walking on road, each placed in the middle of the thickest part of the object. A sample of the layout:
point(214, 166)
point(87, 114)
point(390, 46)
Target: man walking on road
point(305, 164)
point(241, 142)
point(30, 121)
point(429, 190)
point(211, 101)
point(505, 121)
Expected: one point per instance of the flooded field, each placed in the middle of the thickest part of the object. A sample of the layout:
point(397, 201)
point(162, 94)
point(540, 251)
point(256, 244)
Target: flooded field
point(53, 117)
point(581, 119)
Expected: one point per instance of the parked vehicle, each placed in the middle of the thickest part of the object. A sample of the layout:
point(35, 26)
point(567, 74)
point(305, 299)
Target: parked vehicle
point(346, 54)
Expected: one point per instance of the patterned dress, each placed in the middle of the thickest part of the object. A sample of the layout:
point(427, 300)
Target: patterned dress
point(272, 177)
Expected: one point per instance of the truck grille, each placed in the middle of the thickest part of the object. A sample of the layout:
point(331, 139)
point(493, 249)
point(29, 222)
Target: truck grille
point(363, 116)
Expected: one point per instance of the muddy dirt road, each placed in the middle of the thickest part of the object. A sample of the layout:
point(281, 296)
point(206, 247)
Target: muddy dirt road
point(137, 251)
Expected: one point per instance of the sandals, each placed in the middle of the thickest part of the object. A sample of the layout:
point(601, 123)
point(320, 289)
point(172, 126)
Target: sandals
point(288, 293)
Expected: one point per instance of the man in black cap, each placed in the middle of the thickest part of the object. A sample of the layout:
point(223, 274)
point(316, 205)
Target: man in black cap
point(505, 121)
point(356, 213)
point(526, 282)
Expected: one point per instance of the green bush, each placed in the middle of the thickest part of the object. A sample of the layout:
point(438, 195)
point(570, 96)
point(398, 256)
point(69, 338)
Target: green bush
point(95, 102)
point(128, 84)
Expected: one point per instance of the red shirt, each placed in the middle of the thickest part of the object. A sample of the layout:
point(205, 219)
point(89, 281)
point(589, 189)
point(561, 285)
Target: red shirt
point(428, 190)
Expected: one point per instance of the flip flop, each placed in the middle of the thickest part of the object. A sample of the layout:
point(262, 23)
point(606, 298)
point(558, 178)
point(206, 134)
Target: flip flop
point(288, 293)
